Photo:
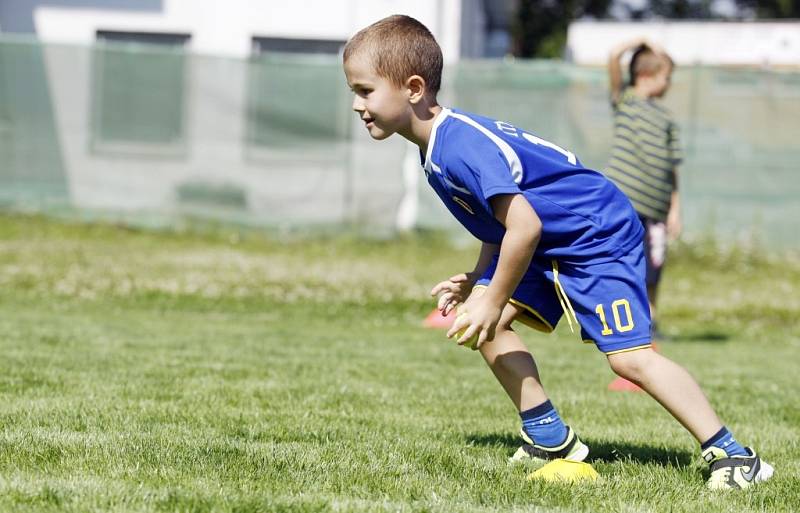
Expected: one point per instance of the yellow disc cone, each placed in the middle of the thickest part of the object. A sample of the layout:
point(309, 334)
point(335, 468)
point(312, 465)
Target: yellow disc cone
point(565, 471)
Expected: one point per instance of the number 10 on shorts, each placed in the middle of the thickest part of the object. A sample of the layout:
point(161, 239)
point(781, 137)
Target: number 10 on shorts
point(617, 308)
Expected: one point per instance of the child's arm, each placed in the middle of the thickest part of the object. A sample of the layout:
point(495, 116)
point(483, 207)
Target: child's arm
point(488, 251)
point(615, 68)
point(523, 231)
point(674, 224)
point(456, 289)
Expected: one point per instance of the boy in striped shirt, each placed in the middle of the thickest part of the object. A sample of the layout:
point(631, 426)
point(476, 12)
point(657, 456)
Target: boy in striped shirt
point(646, 151)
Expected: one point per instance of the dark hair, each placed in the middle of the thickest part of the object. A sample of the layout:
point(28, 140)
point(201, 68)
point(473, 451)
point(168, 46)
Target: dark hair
point(398, 47)
point(647, 62)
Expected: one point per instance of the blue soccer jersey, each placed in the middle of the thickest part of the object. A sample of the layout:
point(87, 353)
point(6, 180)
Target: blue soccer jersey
point(585, 218)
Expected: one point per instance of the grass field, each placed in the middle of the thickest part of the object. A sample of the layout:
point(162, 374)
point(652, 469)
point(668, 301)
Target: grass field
point(242, 373)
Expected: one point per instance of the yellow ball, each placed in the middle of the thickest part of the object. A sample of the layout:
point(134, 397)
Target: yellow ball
point(470, 343)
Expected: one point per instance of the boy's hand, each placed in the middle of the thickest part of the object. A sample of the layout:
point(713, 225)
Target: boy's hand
point(454, 291)
point(480, 318)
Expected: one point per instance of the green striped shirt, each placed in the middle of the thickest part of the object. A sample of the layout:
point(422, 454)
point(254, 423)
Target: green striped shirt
point(645, 154)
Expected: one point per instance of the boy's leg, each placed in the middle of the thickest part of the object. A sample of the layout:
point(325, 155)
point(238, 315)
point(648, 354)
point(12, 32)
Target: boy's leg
point(534, 303)
point(611, 306)
point(672, 386)
point(513, 365)
point(545, 435)
point(732, 466)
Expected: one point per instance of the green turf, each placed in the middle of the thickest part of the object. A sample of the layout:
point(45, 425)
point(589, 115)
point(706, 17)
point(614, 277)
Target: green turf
point(242, 373)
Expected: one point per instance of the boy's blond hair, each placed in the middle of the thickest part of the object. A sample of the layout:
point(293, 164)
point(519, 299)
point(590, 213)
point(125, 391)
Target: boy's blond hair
point(399, 47)
point(647, 62)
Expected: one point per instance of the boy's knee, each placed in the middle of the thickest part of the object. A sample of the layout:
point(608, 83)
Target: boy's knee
point(632, 365)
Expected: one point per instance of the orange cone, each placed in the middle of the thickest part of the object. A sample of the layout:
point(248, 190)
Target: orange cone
point(620, 384)
point(435, 319)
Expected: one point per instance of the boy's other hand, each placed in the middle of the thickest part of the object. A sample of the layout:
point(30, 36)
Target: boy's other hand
point(454, 291)
point(481, 318)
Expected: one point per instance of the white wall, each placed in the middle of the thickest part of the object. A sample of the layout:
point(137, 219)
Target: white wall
point(754, 43)
point(216, 104)
point(226, 28)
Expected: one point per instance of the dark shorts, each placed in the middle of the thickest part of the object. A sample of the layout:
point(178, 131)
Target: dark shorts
point(655, 249)
point(609, 299)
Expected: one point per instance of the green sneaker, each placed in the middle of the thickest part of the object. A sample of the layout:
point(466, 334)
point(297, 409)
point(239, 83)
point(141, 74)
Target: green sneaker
point(572, 449)
point(735, 472)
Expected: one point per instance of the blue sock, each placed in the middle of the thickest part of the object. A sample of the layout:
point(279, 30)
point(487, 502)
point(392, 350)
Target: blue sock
point(725, 441)
point(543, 425)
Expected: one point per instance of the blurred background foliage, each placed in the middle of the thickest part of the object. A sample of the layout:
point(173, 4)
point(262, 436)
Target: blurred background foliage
point(540, 26)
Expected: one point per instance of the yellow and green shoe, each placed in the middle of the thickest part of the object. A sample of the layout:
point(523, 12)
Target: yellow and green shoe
point(572, 450)
point(735, 472)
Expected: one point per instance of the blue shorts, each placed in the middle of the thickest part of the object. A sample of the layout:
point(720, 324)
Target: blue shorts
point(609, 299)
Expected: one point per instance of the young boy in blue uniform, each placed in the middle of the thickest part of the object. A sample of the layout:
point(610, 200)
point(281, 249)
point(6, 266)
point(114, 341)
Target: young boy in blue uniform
point(558, 239)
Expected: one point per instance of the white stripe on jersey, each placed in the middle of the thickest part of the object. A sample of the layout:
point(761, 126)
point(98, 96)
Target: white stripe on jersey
point(429, 165)
point(510, 155)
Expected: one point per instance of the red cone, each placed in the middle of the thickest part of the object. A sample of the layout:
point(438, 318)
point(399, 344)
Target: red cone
point(435, 319)
point(620, 384)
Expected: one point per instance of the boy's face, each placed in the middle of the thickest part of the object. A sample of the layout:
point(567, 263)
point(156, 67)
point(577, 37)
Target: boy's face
point(382, 106)
point(661, 81)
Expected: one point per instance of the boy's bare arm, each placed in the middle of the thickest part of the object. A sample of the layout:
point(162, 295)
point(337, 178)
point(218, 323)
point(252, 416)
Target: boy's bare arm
point(615, 68)
point(523, 231)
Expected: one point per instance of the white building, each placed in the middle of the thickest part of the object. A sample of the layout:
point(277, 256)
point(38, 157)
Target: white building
point(236, 27)
point(205, 108)
point(689, 43)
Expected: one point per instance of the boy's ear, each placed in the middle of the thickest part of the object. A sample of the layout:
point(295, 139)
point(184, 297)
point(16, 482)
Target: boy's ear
point(416, 87)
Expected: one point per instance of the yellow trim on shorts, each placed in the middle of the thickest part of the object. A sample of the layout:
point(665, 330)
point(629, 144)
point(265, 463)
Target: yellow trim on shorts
point(569, 312)
point(646, 346)
point(531, 319)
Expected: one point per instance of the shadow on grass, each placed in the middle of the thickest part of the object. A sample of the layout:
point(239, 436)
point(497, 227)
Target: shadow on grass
point(602, 451)
point(494, 440)
point(702, 336)
point(639, 453)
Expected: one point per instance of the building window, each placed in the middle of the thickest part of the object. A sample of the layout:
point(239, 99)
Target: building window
point(296, 94)
point(139, 93)
point(302, 46)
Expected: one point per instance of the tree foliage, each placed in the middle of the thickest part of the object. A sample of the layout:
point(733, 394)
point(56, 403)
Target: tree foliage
point(774, 9)
point(541, 25)
point(540, 28)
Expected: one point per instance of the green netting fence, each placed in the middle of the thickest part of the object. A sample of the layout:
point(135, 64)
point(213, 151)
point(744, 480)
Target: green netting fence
point(155, 136)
